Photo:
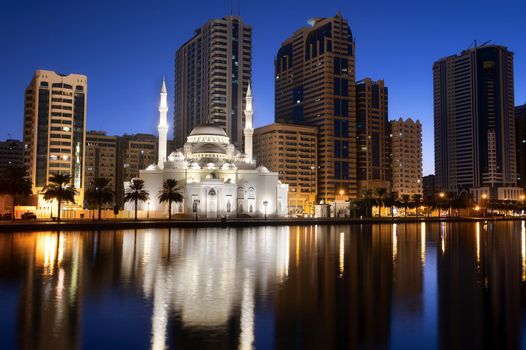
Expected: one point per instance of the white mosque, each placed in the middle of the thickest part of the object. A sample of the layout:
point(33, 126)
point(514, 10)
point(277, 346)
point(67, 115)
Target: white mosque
point(217, 179)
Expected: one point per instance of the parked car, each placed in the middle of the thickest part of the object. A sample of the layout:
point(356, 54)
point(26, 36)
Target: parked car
point(29, 216)
point(7, 216)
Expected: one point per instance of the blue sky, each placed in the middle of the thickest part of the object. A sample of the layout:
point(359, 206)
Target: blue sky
point(125, 47)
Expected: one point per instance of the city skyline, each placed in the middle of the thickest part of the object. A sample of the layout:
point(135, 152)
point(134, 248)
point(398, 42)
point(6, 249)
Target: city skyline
point(124, 86)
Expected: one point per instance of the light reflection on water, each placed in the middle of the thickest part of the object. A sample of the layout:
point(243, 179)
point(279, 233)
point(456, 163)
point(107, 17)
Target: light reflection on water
point(433, 285)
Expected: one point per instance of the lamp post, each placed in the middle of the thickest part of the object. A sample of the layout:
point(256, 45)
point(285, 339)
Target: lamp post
point(265, 203)
point(441, 195)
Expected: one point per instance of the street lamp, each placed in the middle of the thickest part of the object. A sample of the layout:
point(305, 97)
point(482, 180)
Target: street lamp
point(342, 192)
point(484, 197)
point(265, 203)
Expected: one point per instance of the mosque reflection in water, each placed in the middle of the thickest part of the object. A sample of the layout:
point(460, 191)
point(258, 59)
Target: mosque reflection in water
point(320, 287)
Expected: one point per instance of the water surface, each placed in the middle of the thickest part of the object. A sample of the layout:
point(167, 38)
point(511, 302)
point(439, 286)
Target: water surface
point(447, 286)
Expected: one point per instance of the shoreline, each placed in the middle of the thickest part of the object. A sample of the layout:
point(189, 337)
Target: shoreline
point(90, 225)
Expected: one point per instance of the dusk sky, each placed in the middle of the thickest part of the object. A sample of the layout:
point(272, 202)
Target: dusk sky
point(125, 47)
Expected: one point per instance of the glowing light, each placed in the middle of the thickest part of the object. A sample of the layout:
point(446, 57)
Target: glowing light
point(395, 243)
point(523, 249)
point(342, 254)
point(477, 234)
point(297, 246)
point(423, 243)
point(247, 315)
point(442, 236)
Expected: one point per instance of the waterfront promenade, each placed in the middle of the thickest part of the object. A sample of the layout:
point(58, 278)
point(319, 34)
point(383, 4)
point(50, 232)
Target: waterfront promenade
point(108, 224)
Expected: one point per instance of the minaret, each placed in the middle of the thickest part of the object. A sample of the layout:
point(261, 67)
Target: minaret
point(249, 130)
point(163, 126)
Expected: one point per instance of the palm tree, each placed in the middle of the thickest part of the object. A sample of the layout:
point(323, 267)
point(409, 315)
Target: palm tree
point(58, 188)
point(99, 193)
point(390, 201)
point(380, 194)
point(417, 200)
point(405, 199)
point(170, 192)
point(367, 196)
point(430, 202)
point(14, 183)
point(136, 192)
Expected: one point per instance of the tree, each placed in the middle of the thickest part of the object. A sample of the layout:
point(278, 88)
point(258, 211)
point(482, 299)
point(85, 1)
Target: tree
point(430, 202)
point(390, 201)
point(136, 192)
point(98, 193)
point(170, 192)
point(15, 184)
point(380, 194)
point(58, 189)
point(367, 197)
point(417, 200)
point(405, 200)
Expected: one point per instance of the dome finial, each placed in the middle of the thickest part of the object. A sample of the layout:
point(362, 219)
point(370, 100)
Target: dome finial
point(163, 88)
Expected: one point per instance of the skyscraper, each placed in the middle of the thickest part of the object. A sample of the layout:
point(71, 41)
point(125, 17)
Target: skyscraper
point(212, 73)
point(520, 127)
point(315, 86)
point(54, 128)
point(474, 124)
point(372, 135)
point(406, 146)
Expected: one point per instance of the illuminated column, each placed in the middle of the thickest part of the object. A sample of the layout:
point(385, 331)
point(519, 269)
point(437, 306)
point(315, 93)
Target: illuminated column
point(163, 126)
point(249, 130)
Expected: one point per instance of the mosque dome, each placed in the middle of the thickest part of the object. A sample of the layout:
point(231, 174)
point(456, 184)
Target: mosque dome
point(208, 129)
point(208, 133)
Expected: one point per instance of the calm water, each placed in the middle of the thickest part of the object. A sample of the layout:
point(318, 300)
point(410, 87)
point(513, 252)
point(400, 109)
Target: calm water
point(373, 286)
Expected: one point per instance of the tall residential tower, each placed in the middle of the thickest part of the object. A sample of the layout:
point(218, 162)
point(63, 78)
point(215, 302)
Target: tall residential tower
point(406, 148)
point(372, 136)
point(474, 123)
point(212, 73)
point(315, 86)
point(54, 128)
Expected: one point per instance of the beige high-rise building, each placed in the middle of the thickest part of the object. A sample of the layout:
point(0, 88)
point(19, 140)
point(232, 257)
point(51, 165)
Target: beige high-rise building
point(315, 85)
point(212, 73)
point(101, 157)
point(372, 130)
point(54, 129)
point(290, 150)
point(406, 145)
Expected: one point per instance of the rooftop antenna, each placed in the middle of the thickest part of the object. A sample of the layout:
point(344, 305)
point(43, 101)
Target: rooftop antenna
point(239, 8)
point(230, 7)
